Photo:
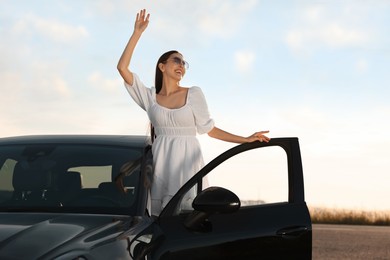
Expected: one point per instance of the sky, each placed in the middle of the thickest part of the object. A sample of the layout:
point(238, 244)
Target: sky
point(312, 69)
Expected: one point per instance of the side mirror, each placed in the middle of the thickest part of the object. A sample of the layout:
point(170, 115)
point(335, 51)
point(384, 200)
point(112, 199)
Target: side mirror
point(212, 200)
point(216, 200)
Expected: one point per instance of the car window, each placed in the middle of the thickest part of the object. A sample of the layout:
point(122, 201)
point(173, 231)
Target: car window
point(69, 178)
point(258, 176)
point(92, 176)
point(6, 171)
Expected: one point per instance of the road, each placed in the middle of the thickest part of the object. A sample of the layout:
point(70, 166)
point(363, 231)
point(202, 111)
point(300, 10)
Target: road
point(350, 242)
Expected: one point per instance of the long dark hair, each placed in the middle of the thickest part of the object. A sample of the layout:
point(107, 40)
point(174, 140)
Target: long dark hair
point(158, 80)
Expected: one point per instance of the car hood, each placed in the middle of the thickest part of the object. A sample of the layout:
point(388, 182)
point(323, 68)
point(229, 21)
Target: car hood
point(36, 235)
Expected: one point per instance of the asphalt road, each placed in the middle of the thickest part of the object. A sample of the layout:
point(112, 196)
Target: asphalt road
point(350, 242)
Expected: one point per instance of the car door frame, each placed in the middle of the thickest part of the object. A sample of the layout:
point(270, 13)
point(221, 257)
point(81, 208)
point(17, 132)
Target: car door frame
point(291, 236)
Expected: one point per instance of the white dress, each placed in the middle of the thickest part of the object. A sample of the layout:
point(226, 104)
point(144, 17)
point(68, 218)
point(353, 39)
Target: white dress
point(176, 151)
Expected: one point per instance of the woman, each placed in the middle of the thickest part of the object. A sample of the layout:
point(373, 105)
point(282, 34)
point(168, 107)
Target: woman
point(176, 113)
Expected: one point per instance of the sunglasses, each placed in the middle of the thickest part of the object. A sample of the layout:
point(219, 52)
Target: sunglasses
point(181, 62)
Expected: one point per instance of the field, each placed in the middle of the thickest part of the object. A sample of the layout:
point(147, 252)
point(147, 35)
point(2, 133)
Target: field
point(349, 217)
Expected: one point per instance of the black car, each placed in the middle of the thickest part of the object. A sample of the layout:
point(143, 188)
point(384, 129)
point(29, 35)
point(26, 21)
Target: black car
point(87, 197)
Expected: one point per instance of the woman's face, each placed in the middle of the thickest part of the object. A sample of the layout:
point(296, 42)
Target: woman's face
point(175, 66)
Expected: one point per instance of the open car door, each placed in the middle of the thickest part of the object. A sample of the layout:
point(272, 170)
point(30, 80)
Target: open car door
point(219, 225)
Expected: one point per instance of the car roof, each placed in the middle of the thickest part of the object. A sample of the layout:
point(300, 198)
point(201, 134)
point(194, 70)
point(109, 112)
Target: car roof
point(139, 141)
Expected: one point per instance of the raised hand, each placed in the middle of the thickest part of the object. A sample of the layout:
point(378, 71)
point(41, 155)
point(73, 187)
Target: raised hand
point(142, 21)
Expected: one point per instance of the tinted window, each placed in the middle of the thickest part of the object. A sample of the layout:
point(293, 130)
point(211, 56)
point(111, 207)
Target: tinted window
point(69, 178)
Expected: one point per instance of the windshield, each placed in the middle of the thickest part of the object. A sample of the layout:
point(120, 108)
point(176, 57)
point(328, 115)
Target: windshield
point(69, 178)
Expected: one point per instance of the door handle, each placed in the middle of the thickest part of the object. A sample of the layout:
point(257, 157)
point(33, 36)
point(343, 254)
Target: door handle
point(292, 232)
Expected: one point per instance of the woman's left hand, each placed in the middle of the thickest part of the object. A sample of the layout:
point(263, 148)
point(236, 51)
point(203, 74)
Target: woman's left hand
point(259, 136)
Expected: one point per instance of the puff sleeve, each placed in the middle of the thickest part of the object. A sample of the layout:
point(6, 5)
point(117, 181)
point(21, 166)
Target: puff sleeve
point(204, 123)
point(141, 94)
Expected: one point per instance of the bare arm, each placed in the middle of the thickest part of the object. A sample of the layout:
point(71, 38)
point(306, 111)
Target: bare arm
point(228, 137)
point(141, 22)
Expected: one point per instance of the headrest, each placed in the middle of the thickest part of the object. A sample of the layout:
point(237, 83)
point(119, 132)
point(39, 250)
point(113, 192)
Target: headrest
point(30, 176)
point(110, 188)
point(70, 180)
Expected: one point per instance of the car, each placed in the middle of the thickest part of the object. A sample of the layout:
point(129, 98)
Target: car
point(88, 197)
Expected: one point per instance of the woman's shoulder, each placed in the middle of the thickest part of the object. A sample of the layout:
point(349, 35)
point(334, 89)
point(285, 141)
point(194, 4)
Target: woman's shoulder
point(195, 95)
point(194, 89)
point(194, 92)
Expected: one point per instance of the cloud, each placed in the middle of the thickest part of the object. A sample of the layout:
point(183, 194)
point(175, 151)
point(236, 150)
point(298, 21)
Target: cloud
point(25, 104)
point(223, 18)
point(97, 80)
point(53, 87)
point(48, 80)
point(106, 7)
point(38, 82)
point(244, 60)
point(329, 35)
point(207, 19)
point(320, 27)
point(49, 28)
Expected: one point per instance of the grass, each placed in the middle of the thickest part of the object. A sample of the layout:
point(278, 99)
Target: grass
point(349, 217)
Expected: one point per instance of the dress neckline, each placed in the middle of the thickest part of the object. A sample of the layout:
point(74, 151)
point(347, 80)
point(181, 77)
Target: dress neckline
point(167, 108)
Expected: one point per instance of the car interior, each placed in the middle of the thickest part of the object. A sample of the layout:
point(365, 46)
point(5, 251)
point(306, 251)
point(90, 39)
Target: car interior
point(69, 178)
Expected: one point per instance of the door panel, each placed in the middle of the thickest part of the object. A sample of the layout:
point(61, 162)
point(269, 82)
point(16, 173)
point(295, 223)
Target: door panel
point(264, 230)
point(250, 233)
